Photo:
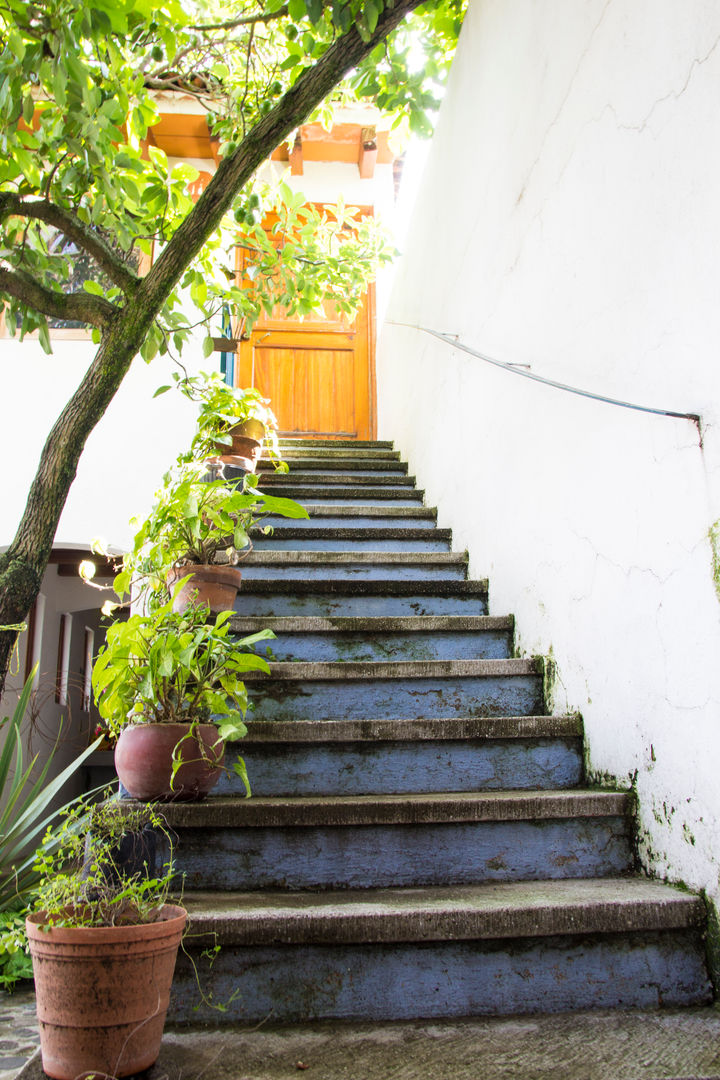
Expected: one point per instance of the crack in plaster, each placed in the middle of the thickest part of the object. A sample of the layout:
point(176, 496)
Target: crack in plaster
point(696, 63)
point(673, 95)
point(564, 101)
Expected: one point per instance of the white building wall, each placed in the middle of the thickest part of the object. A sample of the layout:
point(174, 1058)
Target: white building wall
point(569, 220)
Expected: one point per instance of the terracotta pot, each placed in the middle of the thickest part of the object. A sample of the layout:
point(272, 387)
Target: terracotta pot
point(214, 585)
point(102, 993)
point(143, 761)
point(247, 440)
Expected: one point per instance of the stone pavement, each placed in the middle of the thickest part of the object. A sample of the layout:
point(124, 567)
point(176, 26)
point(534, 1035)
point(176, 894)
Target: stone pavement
point(673, 1044)
point(18, 1030)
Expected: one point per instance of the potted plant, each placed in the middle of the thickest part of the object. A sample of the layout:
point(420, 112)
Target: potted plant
point(169, 685)
point(191, 522)
point(232, 422)
point(103, 943)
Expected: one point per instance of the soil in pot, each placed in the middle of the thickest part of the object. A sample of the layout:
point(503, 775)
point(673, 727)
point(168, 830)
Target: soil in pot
point(144, 756)
point(102, 993)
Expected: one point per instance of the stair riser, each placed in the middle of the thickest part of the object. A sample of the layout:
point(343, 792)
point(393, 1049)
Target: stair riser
point(382, 856)
point(361, 469)
point(400, 768)
point(282, 603)
point(394, 699)
point(355, 521)
point(355, 571)
point(485, 645)
point(330, 543)
point(437, 979)
point(334, 497)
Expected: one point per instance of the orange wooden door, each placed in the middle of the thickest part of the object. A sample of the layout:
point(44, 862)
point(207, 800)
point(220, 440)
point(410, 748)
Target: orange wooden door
point(318, 371)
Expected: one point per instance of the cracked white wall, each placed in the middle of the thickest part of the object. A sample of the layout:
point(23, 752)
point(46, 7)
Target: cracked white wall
point(568, 220)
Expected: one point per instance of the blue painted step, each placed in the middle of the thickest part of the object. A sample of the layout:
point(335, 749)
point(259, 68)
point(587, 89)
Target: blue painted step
point(376, 842)
point(287, 538)
point(408, 756)
point(347, 566)
point(423, 637)
point(492, 950)
point(366, 517)
point(329, 598)
point(298, 691)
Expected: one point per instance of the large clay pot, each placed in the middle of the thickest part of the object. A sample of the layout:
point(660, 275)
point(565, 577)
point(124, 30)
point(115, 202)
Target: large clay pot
point(143, 761)
point(214, 585)
point(102, 993)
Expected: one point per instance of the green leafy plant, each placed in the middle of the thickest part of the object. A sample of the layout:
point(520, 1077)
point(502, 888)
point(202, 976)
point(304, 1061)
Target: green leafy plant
point(191, 521)
point(170, 667)
point(86, 879)
point(26, 815)
point(221, 408)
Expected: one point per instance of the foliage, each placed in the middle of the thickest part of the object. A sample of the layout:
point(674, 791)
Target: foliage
point(79, 89)
point(25, 814)
point(175, 667)
point(191, 521)
point(15, 962)
point(84, 882)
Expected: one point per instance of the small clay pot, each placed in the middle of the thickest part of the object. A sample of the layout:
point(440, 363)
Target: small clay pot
point(144, 761)
point(102, 993)
point(214, 585)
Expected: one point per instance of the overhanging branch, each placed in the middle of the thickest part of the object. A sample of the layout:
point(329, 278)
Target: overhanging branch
point(290, 111)
point(79, 307)
point(12, 204)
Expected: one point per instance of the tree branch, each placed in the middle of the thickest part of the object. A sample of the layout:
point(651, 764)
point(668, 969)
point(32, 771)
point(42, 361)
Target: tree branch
point(12, 204)
point(311, 88)
point(245, 20)
point(80, 307)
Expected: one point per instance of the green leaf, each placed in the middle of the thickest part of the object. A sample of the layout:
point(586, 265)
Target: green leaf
point(208, 347)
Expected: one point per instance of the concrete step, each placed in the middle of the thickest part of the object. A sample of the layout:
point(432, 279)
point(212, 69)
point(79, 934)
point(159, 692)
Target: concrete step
point(420, 637)
point(362, 516)
point(393, 689)
point(300, 475)
point(403, 566)
point(329, 452)
point(327, 597)
point(357, 467)
point(287, 443)
point(377, 757)
point(356, 495)
point(321, 537)
point(439, 952)
point(409, 840)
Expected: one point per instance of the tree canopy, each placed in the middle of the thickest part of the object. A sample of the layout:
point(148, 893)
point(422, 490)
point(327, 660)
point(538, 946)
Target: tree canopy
point(81, 184)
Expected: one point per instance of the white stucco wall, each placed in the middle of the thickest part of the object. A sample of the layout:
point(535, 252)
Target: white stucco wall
point(568, 220)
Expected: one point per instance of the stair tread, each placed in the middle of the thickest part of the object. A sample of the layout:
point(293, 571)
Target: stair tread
point(354, 533)
point(371, 586)
point(359, 510)
point(370, 624)
point(406, 809)
point(494, 910)
point(374, 731)
point(397, 669)
point(298, 477)
point(371, 558)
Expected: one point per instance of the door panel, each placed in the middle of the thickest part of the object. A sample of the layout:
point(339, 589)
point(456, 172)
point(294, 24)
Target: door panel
point(317, 372)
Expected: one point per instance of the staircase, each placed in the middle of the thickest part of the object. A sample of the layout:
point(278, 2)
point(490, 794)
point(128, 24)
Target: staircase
point(420, 842)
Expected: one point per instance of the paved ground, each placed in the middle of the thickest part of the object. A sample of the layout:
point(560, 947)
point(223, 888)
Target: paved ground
point(669, 1045)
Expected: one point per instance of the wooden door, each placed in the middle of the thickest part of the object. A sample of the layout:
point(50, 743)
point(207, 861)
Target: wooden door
point(318, 372)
